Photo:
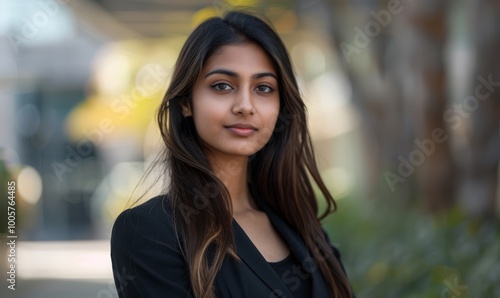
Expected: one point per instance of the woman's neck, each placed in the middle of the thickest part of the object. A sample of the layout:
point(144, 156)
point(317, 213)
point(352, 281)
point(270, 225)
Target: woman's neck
point(233, 172)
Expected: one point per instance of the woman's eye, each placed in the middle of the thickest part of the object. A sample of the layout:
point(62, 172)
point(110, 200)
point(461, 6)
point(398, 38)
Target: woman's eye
point(264, 88)
point(221, 87)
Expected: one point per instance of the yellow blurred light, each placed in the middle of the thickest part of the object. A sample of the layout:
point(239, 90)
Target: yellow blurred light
point(203, 14)
point(218, 8)
point(129, 81)
point(228, 4)
point(242, 2)
point(284, 20)
point(29, 185)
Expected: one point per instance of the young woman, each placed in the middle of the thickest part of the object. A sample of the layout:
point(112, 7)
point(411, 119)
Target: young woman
point(239, 217)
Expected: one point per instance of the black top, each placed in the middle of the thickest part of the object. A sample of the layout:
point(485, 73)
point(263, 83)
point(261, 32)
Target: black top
point(147, 261)
point(293, 276)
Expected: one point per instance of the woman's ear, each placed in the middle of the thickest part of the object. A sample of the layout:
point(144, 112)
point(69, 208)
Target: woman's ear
point(186, 109)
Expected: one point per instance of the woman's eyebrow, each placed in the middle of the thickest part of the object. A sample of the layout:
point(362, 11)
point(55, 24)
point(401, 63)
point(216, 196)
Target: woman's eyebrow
point(235, 75)
point(222, 71)
point(264, 74)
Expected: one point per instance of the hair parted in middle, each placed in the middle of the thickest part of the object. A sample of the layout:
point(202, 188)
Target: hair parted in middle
point(280, 172)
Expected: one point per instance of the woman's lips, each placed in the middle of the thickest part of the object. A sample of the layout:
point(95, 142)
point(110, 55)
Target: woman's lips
point(241, 129)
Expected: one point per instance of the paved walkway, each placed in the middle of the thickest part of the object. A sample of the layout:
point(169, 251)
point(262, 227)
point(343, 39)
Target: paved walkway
point(62, 269)
point(59, 288)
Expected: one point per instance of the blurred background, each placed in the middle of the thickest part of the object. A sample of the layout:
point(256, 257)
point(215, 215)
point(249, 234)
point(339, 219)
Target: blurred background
point(403, 100)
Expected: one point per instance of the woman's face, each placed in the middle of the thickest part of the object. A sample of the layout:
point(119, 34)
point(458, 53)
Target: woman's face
point(235, 101)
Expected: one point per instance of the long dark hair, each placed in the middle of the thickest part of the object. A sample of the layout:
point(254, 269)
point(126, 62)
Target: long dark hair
point(280, 172)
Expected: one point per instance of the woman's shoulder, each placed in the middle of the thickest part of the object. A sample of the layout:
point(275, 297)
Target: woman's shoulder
point(150, 206)
point(149, 220)
point(146, 255)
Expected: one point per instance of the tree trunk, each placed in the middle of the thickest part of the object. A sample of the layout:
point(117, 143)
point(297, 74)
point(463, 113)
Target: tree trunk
point(393, 56)
point(431, 149)
point(479, 123)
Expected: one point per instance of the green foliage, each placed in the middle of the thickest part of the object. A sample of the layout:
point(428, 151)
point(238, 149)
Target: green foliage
point(399, 251)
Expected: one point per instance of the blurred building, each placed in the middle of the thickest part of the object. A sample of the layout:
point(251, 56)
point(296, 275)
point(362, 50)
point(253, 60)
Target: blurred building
point(82, 79)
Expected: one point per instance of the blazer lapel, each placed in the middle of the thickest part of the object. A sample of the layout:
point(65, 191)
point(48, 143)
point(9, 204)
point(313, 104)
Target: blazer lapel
point(295, 243)
point(297, 247)
point(251, 256)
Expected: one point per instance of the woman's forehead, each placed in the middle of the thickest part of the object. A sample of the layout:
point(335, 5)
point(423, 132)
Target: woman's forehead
point(243, 57)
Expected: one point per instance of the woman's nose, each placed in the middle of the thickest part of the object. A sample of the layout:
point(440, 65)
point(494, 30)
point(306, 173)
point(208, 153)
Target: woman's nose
point(243, 103)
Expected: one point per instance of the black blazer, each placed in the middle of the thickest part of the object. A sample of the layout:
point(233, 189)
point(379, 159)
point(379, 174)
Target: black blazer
point(147, 261)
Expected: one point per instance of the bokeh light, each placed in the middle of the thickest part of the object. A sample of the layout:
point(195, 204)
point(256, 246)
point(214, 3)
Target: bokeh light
point(30, 185)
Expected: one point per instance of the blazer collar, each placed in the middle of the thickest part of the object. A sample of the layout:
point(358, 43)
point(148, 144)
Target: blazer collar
point(297, 246)
point(250, 255)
